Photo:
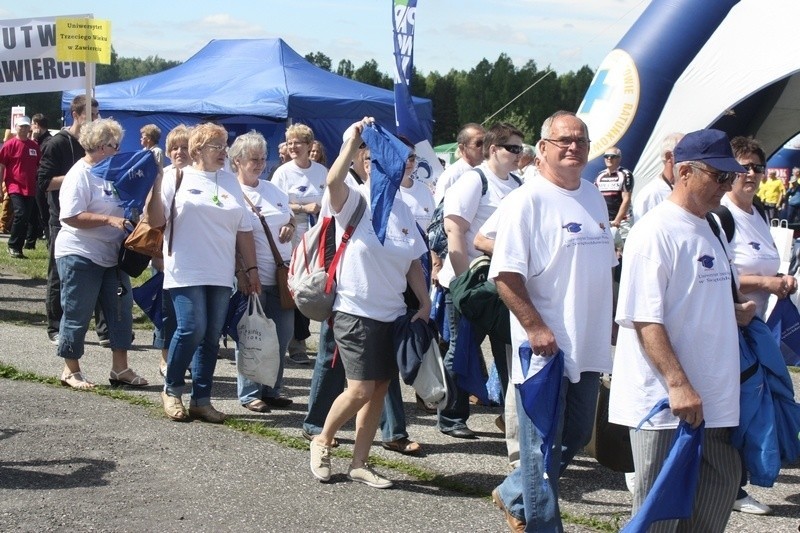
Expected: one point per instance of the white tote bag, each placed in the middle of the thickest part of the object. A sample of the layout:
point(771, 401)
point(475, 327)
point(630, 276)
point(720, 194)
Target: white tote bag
point(257, 358)
point(784, 239)
point(430, 383)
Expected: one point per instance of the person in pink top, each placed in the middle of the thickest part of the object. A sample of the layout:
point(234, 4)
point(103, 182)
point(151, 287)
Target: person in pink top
point(19, 160)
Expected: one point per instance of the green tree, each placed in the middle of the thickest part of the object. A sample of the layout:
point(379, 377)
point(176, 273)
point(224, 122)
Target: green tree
point(319, 59)
point(346, 68)
point(369, 73)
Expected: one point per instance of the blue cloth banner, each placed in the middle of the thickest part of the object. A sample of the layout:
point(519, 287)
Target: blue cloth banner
point(540, 393)
point(672, 495)
point(132, 175)
point(389, 156)
point(404, 14)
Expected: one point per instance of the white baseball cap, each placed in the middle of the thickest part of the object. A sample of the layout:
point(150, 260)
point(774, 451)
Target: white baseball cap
point(22, 121)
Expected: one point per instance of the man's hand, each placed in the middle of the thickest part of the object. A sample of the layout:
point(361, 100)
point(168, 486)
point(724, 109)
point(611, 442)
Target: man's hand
point(686, 404)
point(542, 341)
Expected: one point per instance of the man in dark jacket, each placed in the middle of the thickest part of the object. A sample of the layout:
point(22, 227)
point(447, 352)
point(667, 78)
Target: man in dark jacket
point(60, 152)
point(41, 134)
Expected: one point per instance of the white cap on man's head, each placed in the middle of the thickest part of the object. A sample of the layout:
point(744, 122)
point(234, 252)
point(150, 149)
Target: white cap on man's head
point(22, 121)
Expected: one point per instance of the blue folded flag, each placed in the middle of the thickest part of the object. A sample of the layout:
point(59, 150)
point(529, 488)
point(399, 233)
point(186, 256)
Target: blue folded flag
point(132, 174)
point(672, 495)
point(389, 156)
point(540, 395)
point(784, 322)
point(467, 362)
point(149, 297)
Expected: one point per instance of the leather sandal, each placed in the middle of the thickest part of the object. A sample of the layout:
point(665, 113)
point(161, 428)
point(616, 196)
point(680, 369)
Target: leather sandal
point(135, 381)
point(405, 446)
point(257, 406)
point(173, 407)
point(76, 380)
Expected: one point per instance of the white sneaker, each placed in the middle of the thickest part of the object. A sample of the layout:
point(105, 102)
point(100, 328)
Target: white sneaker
point(630, 481)
point(750, 505)
point(320, 461)
point(367, 475)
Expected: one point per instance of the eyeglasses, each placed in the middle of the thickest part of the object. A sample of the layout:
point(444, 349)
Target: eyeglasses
point(721, 177)
point(476, 144)
point(758, 169)
point(295, 143)
point(217, 147)
point(113, 146)
point(610, 156)
point(566, 142)
point(515, 149)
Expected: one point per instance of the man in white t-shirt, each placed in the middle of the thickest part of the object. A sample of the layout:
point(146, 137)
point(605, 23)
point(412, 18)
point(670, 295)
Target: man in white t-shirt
point(470, 146)
point(552, 262)
point(657, 188)
point(678, 337)
point(527, 163)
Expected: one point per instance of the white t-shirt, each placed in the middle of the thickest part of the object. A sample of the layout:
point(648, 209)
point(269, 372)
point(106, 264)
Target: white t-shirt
point(560, 242)
point(448, 177)
point(420, 200)
point(83, 192)
point(273, 204)
point(528, 172)
point(656, 191)
point(304, 186)
point(676, 273)
point(371, 277)
point(204, 237)
point(464, 199)
point(753, 250)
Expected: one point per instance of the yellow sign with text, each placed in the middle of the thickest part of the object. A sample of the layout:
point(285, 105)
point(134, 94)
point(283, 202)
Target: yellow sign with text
point(80, 39)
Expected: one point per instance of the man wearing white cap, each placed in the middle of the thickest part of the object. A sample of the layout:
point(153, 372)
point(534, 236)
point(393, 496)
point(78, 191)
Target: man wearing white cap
point(19, 159)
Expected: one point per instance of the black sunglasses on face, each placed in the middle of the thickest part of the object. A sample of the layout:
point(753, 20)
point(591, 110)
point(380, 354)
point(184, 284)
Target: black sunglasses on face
point(515, 149)
point(720, 177)
point(758, 169)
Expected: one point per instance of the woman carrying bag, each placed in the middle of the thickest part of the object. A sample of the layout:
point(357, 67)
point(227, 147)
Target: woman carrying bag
point(269, 212)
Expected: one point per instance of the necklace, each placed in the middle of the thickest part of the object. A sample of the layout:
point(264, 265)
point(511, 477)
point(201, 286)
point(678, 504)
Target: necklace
point(215, 198)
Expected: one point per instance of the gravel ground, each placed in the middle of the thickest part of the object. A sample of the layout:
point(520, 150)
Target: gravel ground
point(81, 461)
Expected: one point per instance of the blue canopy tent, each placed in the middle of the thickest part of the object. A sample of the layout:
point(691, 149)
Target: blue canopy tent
point(246, 84)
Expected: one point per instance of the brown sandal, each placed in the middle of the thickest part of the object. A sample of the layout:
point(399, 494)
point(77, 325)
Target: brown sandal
point(76, 380)
point(257, 406)
point(405, 446)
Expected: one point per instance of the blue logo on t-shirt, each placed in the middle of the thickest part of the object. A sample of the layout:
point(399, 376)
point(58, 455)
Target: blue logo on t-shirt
point(756, 245)
point(707, 261)
point(195, 191)
point(302, 188)
point(572, 227)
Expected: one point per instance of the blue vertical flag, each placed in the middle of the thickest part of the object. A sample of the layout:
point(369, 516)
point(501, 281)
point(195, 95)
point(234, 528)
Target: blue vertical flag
point(404, 15)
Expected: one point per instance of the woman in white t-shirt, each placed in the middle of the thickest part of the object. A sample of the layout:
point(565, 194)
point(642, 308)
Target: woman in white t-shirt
point(304, 181)
point(86, 253)
point(265, 201)
point(371, 279)
point(755, 257)
point(210, 225)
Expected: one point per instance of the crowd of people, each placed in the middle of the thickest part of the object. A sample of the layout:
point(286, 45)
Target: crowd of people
point(564, 252)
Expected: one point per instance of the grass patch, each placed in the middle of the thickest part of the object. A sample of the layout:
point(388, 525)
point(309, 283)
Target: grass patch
point(34, 267)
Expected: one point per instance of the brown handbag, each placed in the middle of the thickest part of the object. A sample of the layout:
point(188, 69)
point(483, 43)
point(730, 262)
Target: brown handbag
point(148, 240)
point(281, 268)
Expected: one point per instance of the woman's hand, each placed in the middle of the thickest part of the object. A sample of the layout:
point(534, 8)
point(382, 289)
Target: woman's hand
point(286, 232)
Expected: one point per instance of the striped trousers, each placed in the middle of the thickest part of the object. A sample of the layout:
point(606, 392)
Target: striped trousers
point(720, 474)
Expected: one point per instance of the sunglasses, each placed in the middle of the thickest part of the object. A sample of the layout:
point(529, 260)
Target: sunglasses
point(515, 149)
point(758, 169)
point(720, 177)
point(610, 156)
